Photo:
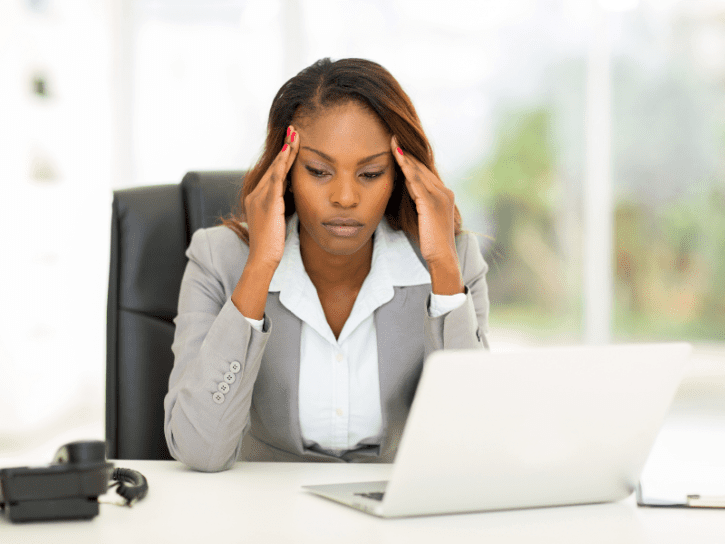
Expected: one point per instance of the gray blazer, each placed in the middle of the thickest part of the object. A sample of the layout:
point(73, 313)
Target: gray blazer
point(259, 418)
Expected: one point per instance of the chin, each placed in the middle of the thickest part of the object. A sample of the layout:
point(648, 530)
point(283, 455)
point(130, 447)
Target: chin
point(344, 246)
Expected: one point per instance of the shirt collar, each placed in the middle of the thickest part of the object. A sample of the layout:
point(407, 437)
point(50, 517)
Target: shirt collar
point(394, 262)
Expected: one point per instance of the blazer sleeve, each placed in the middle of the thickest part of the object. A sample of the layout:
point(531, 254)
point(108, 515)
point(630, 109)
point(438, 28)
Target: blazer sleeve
point(466, 326)
point(211, 336)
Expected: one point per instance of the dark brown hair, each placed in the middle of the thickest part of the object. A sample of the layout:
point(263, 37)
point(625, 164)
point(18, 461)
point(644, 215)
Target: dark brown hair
point(326, 84)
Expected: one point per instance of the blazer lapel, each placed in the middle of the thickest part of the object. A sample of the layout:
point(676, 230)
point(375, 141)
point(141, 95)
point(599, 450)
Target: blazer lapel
point(399, 326)
point(275, 401)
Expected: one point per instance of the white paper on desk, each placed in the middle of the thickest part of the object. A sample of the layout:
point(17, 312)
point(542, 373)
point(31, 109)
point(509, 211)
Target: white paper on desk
point(671, 487)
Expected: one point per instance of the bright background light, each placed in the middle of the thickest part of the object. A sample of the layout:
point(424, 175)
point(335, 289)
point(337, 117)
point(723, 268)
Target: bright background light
point(102, 95)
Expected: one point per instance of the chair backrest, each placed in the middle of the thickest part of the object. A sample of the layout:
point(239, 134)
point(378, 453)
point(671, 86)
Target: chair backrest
point(151, 227)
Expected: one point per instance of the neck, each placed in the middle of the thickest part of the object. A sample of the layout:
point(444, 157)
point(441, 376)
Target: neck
point(337, 271)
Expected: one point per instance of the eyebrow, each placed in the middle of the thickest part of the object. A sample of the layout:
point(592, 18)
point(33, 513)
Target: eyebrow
point(330, 159)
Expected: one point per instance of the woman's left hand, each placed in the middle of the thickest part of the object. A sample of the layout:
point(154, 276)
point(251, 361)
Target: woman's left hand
point(435, 204)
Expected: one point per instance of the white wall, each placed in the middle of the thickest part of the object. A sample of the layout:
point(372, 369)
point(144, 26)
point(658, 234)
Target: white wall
point(55, 168)
point(142, 91)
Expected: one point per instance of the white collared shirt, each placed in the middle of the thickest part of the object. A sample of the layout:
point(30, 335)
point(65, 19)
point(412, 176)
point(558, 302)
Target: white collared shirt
point(339, 387)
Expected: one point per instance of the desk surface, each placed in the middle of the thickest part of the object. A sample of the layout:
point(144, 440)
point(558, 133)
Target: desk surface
point(263, 502)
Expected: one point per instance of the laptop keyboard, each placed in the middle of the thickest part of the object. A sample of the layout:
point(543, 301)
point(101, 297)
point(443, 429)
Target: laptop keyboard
point(377, 495)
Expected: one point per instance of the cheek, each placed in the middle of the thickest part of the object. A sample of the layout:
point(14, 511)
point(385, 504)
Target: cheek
point(388, 187)
point(307, 196)
point(386, 192)
point(297, 181)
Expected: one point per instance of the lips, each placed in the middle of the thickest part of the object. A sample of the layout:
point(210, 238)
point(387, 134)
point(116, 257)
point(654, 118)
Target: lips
point(343, 222)
point(344, 231)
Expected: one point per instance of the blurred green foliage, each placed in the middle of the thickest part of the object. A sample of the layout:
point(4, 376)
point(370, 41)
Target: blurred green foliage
point(669, 261)
point(669, 266)
point(516, 187)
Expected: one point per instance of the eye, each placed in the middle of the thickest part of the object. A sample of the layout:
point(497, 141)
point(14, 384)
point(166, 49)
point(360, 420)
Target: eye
point(373, 175)
point(315, 173)
point(321, 173)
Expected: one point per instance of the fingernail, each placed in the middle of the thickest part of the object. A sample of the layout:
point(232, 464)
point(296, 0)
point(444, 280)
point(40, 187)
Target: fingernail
point(400, 151)
point(288, 129)
point(293, 136)
point(285, 147)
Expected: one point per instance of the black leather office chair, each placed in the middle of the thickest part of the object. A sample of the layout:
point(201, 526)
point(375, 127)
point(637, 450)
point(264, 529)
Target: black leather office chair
point(151, 229)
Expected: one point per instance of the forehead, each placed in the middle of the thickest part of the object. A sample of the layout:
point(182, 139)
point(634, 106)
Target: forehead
point(346, 129)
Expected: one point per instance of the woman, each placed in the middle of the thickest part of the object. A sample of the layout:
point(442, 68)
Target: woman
point(304, 320)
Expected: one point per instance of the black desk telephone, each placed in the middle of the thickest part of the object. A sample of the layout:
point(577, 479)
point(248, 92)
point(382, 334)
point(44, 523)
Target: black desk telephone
point(69, 487)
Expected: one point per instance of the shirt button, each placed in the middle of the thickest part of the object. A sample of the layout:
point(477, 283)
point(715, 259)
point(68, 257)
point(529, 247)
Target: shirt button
point(339, 411)
point(235, 366)
point(218, 397)
point(230, 377)
point(340, 357)
point(223, 387)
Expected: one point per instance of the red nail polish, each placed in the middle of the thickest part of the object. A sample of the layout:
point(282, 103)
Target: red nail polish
point(285, 147)
point(287, 131)
point(400, 151)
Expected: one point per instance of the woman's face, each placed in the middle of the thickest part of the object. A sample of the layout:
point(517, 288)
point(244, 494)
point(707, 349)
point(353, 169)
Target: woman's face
point(344, 168)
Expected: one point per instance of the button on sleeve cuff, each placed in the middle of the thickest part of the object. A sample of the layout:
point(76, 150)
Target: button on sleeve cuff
point(227, 339)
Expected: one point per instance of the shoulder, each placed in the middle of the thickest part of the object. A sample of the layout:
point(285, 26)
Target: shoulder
point(219, 249)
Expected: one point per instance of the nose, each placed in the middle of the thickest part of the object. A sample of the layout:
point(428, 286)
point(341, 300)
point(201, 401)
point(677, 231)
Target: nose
point(344, 190)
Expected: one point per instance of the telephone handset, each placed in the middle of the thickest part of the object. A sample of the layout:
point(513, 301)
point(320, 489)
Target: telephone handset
point(67, 488)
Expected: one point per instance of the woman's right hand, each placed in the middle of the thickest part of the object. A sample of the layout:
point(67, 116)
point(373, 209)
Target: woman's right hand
point(264, 207)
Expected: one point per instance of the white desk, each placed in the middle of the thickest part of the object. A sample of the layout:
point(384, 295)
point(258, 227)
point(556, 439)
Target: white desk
point(263, 503)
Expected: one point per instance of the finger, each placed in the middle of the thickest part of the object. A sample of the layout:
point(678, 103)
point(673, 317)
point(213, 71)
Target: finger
point(399, 156)
point(294, 146)
point(413, 178)
point(397, 152)
point(407, 163)
point(280, 160)
point(284, 159)
point(417, 172)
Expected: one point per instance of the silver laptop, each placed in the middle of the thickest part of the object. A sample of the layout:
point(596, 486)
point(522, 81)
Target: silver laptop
point(527, 428)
